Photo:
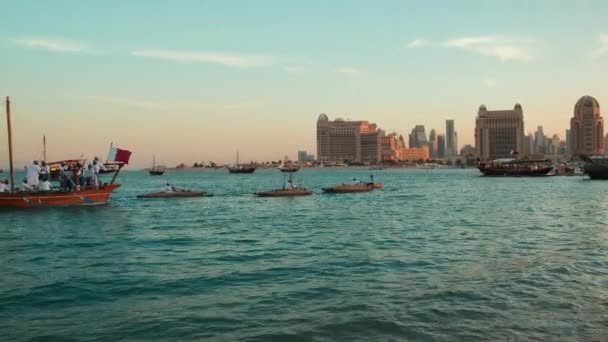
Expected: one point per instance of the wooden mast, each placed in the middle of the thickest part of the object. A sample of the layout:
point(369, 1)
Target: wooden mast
point(10, 142)
point(44, 147)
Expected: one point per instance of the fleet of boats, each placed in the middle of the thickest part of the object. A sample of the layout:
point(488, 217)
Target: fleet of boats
point(69, 172)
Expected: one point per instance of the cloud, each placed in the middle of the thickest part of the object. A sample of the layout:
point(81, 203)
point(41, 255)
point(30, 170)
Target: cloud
point(417, 43)
point(502, 47)
point(51, 44)
point(152, 105)
point(349, 71)
point(222, 58)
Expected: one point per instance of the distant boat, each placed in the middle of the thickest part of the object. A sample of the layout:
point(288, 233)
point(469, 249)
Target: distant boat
point(288, 166)
point(156, 170)
point(238, 168)
point(289, 190)
point(174, 194)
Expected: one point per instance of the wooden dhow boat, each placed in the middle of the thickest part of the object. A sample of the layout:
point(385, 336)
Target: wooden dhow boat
point(511, 167)
point(288, 166)
point(156, 170)
point(82, 195)
point(238, 168)
point(289, 190)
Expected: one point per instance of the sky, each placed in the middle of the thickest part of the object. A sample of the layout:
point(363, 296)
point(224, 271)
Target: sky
point(198, 80)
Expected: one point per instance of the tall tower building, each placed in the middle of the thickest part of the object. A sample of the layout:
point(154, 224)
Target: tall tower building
point(451, 149)
point(587, 128)
point(441, 146)
point(499, 132)
point(353, 141)
point(418, 136)
point(433, 144)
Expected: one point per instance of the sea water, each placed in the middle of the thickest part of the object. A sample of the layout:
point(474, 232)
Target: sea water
point(436, 255)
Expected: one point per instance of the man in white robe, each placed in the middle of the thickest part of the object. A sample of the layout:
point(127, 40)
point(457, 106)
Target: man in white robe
point(33, 174)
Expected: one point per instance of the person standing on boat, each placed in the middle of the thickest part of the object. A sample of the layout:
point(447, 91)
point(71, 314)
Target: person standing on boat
point(45, 170)
point(97, 167)
point(67, 183)
point(33, 174)
point(4, 186)
point(89, 176)
point(169, 188)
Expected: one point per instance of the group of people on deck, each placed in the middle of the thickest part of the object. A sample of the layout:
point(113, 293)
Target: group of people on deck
point(71, 177)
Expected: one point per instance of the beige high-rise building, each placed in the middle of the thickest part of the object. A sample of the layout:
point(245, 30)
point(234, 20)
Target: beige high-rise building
point(348, 141)
point(499, 132)
point(587, 128)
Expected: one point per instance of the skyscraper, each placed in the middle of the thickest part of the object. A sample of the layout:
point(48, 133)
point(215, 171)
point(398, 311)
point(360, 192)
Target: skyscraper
point(302, 156)
point(587, 128)
point(540, 141)
point(499, 132)
point(441, 146)
point(451, 148)
point(528, 146)
point(433, 144)
point(418, 136)
point(354, 141)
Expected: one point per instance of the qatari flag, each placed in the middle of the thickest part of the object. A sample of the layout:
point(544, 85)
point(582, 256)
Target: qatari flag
point(119, 155)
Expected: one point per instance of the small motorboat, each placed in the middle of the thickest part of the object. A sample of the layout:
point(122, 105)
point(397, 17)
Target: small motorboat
point(355, 187)
point(288, 166)
point(289, 190)
point(349, 188)
point(284, 193)
point(178, 193)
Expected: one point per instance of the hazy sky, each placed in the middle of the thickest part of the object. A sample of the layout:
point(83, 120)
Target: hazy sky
point(197, 80)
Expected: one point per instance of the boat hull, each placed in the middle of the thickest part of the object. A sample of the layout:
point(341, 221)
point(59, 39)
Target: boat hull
point(156, 173)
point(504, 172)
point(292, 169)
point(595, 171)
point(284, 193)
point(349, 189)
point(241, 170)
point(58, 199)
point(176, 194)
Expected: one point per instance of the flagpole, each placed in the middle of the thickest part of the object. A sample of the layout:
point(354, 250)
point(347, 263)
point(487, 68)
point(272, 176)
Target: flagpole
point(10, 142)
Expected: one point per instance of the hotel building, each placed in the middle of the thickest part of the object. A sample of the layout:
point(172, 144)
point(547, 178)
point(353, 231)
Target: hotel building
point(499, 132)
point(348, 141)
point(586, 128)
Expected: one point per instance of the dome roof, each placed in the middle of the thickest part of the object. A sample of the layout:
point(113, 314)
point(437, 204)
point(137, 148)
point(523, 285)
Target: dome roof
point(517, 106)
point(482, 107)
point(322, 117)
point(586, 101)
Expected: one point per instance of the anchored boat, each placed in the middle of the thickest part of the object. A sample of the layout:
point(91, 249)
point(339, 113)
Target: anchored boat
point(156, 170)
point(511, 167)
point(289, 190)
point(81, 195)
point(288, 166)
point(238, 168)
point(355, 187)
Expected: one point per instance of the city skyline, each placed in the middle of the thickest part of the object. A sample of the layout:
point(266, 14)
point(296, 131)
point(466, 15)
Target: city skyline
point(213, 78)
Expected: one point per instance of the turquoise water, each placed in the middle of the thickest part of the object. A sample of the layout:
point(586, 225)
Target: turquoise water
point(441, 255)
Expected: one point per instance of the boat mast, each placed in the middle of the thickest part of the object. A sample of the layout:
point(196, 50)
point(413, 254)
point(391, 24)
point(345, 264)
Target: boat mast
point(44, 147)
point(10, 142)
point(153, 161)
point(237, 157)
